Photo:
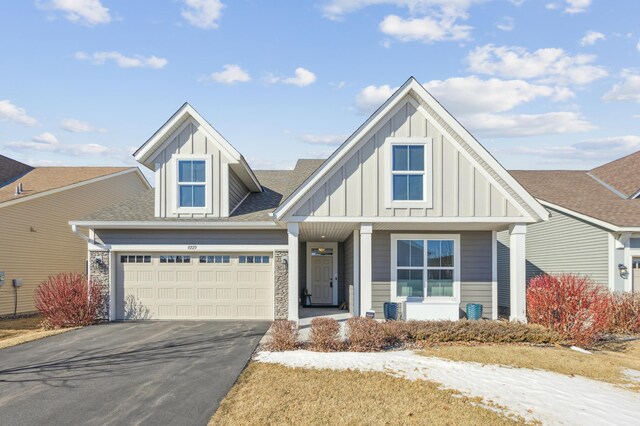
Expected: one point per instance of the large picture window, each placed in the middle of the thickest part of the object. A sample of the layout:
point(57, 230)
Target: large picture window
point(192, 183)
point(408, 172)
point(425, 268)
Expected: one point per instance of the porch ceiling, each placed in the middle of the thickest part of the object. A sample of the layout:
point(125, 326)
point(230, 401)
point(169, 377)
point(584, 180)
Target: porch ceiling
point(332, 231)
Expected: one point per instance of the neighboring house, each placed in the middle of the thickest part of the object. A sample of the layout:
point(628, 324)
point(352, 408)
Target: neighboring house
point(407, 209)
point(593, 228)
point(36, 204)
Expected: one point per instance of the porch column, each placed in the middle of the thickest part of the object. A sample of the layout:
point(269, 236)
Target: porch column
point(517, 264)
point(356, 273)
point(365, 267)
point(293, 230)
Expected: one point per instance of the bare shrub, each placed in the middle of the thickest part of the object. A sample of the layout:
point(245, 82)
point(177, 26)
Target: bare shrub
point(283, 336)
point(624, 313)
point(398, 332)
point(365, 335)
point(70, 300)
point(325, 335)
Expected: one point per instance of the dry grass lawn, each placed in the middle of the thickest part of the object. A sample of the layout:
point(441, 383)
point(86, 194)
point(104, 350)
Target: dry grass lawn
point(606, 364)
point(21, 330)
point(269, 394)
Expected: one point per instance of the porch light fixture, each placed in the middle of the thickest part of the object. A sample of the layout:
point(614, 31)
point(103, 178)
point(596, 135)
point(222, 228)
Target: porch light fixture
point(321, 249)
point(321, 236)
point(98, 261)
point(624, 272)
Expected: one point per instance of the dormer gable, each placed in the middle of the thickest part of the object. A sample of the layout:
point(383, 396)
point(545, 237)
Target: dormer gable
point(198, 172)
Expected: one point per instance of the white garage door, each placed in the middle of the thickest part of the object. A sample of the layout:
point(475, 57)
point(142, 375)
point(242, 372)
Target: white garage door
point(194, 286)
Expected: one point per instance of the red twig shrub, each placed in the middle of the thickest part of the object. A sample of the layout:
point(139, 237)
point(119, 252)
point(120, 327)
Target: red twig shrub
point(365, 334)
point(624, 313)
point(325, 335)
point(569, 304)
point(70, 300)
point(284, 336)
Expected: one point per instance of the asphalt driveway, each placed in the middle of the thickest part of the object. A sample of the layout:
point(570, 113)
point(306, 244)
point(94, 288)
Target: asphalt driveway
point(168, 373)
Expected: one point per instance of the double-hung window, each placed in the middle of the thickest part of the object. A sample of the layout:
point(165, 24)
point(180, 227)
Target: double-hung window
point(425, 267)
point(191, 183)
point(408, 172)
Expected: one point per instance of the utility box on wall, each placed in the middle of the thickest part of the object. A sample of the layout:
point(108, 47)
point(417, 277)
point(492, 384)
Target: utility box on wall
point(17, 282)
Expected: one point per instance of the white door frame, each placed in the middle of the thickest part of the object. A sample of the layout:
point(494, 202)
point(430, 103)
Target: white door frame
point(330, 245)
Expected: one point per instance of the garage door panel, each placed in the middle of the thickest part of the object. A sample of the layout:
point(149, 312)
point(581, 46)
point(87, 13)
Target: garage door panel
point(219, 289)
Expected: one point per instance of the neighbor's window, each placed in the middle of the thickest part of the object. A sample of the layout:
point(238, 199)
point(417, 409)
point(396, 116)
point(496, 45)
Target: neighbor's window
point(408, 172)
point(191, 183)
point(420, 272)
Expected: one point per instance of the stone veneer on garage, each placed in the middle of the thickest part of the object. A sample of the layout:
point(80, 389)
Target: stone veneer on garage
point(281, 284)
point(99, 273)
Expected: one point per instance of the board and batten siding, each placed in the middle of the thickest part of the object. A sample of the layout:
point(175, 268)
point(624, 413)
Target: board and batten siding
point(191, 236)
point(191, 139)
point(37, 240)
point(357, 186)
point(237, 190)
point(564, 244)
point(475, 269)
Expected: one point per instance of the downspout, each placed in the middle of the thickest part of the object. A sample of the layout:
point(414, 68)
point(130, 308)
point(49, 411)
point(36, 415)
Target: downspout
point(74, 229)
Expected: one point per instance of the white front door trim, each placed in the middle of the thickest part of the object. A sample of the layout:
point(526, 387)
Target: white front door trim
point(331, 245)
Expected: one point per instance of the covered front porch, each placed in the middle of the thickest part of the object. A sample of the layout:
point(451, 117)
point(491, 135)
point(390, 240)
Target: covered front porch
point(358, 266)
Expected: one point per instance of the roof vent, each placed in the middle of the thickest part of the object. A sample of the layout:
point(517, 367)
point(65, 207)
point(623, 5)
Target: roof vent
point(17, 190)
point(21, 190)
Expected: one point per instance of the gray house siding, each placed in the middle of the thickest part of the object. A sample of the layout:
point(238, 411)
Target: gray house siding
point(564, 244)
point(190, 237)
point(237, 190)
point(475, 269)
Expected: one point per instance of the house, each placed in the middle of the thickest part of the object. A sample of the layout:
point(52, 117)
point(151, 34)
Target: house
point(593, 228)
point(407, 209)
point(36, 204)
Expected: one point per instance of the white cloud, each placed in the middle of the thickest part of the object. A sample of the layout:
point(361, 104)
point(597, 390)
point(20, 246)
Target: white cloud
point(47, 142)
point(77, 126)
point(627, 90)
point(429, 20)
point(552, 6)
point(135, 61)
point(546, 65)
point(86, 12)
point(9, 111)
point(472, 95)
point(577, 6)
point(506, 24)
point(520, 125)
point(638, 46)
point(323, 139)
point(231, 74)
point(591, 37)
point(371, 97)
point(302, 77)
point(203, 13)
point(426, 29)
point(46, 138)
point(600, 150)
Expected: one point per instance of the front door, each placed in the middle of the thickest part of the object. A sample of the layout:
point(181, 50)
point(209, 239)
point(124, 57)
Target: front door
point(636, 275)
point(322, 275)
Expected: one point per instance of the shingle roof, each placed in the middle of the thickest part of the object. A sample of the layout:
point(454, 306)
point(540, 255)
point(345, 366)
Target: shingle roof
point(10, 169)
point(41, 179)
point(277, 186)
point(623, 174)
point(577, 191)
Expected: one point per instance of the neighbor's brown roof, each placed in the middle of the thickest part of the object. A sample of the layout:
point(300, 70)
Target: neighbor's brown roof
point(577, 191)
point(42, 179)
point(10, 169)
point(623, 174)
point(277, 185)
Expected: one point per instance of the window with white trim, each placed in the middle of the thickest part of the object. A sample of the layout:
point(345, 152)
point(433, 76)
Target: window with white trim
point(426, 273)
point(192, 183)
point(408, 172)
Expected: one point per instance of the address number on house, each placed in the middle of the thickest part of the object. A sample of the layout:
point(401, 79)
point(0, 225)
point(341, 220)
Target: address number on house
point(192, 247)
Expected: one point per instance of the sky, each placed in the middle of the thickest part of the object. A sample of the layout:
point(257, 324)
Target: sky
point(542, 84)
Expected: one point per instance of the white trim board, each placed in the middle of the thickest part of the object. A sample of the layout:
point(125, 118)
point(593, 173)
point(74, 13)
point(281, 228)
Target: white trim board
point(75, 185)
point(593, 220)
point(212, 224)
point(195, 248)
point(410, 86)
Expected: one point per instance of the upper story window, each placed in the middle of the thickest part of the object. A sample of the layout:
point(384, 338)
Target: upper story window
point(192, 183)
point(408, 172)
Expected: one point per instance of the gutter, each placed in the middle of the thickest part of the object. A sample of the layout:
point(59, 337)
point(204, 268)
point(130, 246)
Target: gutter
point(75, 230)
point(173, 225)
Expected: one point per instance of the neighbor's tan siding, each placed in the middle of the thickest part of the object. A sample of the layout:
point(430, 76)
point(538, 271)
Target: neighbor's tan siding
point(36, 239)
point(358, 187)
point(563, 244)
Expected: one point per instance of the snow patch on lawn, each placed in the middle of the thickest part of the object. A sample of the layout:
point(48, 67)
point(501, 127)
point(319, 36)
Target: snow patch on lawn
point(533, 394)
